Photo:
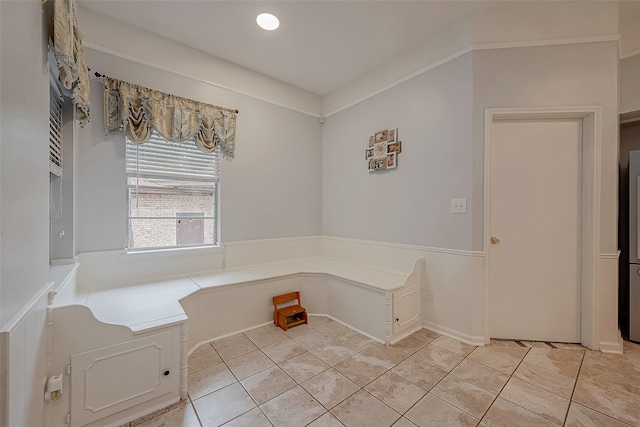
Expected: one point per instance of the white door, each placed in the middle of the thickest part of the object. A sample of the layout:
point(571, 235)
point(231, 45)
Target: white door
point(534, 222)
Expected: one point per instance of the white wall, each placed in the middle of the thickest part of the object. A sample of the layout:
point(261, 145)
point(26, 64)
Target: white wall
point(271, 189)
point(24, 101)
point(552, 76)
point(409, 204)
point(24, 198)
point(440, 119)
point(630, 84)
point(629, 16)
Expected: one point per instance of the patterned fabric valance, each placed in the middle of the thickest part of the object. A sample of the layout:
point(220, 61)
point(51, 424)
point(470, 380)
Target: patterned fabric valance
point(139, 111)
point(72, 65)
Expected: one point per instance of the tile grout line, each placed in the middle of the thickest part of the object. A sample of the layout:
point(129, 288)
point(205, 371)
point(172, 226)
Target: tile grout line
point(441, 379)
point(584, 405)
point(407, 354)
point(575, 384)
point(306, 350)
point(391, 370)
point(388, 370)
point(285, 372)
point(507, 382)
point(238, 380)
point(362, 388)
point(570, 399)
point(194, 409)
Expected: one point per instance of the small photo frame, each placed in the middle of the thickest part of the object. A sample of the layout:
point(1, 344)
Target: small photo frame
point(371, 165)
point(392, 135)
point(379, 164)
point(394, 147)
point(391, 161)
point(368, 153)
point(380, 150)
point(372, 140)
point(381, 136)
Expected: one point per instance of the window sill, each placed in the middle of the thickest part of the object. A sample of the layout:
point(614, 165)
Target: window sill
point(173, 252)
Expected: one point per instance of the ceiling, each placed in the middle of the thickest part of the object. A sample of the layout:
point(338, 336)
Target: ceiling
point(320, 46)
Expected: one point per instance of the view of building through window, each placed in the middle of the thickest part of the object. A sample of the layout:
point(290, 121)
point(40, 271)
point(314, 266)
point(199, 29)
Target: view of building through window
point(170, 217)
point(171, 194)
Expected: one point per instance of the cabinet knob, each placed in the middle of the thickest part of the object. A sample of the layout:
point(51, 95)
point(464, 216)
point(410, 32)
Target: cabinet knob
point(166, 373)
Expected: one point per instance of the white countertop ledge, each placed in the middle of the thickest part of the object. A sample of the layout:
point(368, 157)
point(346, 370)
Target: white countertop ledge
point(156, 303)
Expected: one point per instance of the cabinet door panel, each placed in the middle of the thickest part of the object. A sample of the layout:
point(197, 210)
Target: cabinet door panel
point(114, 378)
point(406, 308)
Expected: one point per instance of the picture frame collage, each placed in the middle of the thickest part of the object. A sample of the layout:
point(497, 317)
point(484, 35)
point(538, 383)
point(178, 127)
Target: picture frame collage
point(383, 150)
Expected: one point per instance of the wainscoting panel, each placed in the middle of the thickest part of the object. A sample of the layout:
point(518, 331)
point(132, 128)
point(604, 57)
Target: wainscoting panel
point(250, 252)
point(24, 356)
point(109, 268)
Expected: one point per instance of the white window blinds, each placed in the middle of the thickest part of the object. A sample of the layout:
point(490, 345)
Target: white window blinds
point(160, 158)
point(55, 130)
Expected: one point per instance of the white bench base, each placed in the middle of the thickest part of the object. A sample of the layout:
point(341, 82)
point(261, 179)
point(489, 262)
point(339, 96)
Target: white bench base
point(117, 329)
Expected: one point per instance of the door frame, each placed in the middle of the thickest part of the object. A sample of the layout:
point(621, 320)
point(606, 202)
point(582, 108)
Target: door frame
point(591, 117)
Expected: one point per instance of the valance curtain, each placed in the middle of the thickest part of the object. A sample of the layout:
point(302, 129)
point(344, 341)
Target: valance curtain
point(72, 65)
point(138, 111)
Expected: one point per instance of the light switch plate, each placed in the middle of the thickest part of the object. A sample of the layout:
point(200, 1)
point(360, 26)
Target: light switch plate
point(458, 205)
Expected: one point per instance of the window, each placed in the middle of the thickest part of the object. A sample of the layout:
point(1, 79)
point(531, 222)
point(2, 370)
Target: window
point(190, 229)
point(172, 190)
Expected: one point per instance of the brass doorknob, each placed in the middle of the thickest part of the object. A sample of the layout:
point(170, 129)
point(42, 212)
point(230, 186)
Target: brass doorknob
point(494, 240)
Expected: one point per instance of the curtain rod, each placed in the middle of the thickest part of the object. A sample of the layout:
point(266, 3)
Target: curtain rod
point(97, 74)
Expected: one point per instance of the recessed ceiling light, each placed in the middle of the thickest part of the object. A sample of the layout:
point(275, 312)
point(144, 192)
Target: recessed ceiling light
point(267, 21)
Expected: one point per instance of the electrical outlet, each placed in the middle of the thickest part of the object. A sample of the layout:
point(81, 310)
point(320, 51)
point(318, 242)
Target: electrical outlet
point(458, 205)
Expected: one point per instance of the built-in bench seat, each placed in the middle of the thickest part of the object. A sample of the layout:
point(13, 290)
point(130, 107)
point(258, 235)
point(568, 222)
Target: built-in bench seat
point(140, 333)
point(141, 306)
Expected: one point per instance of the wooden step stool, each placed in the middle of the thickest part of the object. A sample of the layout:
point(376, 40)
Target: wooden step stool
point(291, 315)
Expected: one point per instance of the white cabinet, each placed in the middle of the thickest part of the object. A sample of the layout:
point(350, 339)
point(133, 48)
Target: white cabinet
point(406, 310)
point(118, 377)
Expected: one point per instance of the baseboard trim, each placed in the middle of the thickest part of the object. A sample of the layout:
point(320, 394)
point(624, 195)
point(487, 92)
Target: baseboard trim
point(271, 322)
point(468, 339)
point(611, 347)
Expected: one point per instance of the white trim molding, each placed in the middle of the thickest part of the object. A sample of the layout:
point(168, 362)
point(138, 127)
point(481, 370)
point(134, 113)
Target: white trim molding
point(404, 246)
point(629, 54)
point(612, 347)
point(478, 47)
point(610, 336)
point(614, 255)
point(428, 67)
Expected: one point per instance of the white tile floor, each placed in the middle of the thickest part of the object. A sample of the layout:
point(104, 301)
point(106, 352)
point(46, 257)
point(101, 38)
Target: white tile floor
point(324, 374)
